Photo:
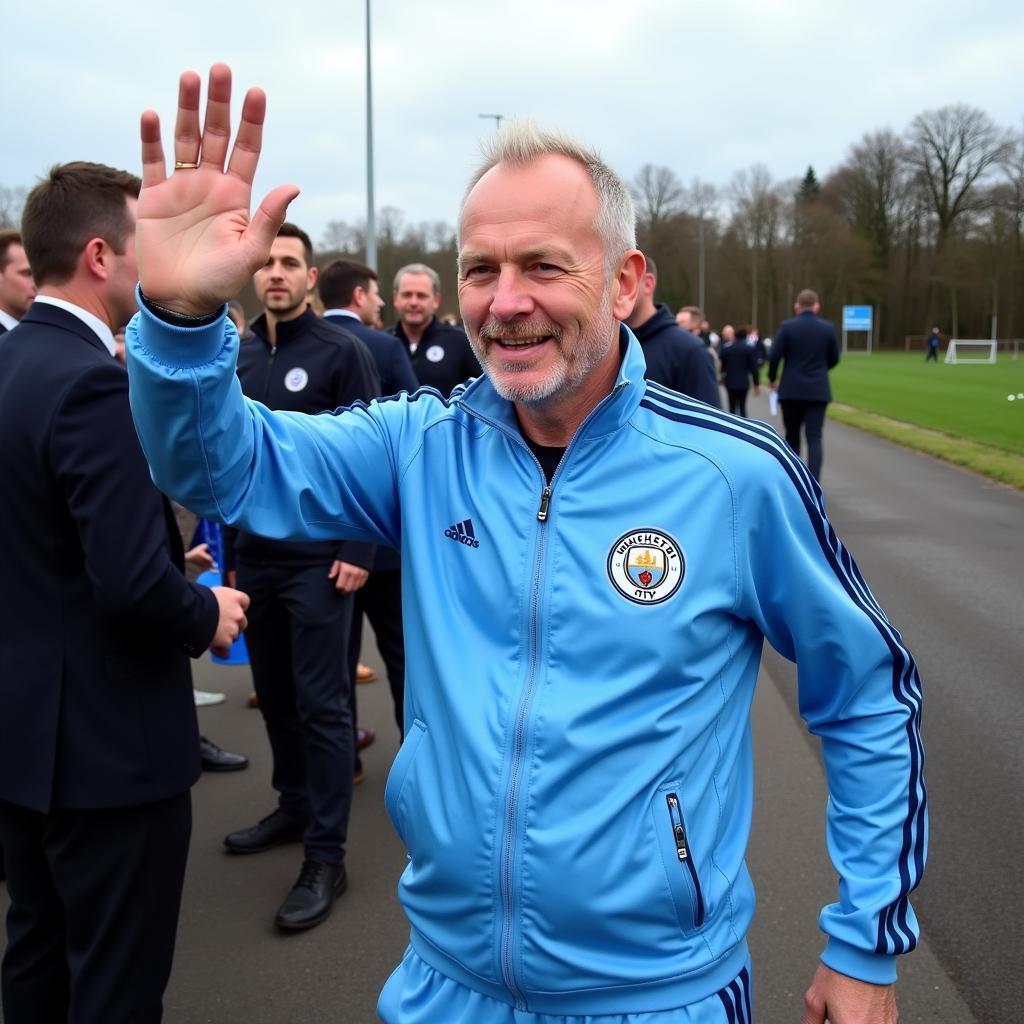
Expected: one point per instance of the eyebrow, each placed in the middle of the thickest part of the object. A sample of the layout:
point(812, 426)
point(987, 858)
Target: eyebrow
point(542, 254)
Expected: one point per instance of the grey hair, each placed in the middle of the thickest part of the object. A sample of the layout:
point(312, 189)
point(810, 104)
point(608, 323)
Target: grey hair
point(419, 268)
point(520, 142)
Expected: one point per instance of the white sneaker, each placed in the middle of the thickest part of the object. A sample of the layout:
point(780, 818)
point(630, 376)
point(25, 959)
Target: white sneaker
point(204, 698)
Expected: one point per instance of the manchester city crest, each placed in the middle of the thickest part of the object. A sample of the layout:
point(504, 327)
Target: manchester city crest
point(646, 566)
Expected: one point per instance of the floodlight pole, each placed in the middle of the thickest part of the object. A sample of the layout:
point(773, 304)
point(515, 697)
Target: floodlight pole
point(496, 118)
point(371, 227)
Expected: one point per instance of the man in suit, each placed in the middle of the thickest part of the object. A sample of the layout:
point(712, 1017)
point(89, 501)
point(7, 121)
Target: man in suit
point(17, 286)
point(807, 346)
point(675, 357)
point(441, 355)
point(352, 300)
point(738, 366)
point(98, 736)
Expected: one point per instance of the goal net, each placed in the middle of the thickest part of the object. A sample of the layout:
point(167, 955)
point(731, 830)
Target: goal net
point(961, 350)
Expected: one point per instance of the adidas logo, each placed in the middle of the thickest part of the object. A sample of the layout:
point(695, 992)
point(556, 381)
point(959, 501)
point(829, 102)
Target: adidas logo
point(463, 533)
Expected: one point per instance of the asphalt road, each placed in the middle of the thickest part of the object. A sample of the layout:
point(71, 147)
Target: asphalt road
point(940, 548)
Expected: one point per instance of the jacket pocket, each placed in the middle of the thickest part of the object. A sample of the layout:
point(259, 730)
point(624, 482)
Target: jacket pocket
point(677, 856)
point(399, 774)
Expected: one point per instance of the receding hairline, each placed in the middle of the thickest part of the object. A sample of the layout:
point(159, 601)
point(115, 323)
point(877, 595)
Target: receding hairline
point(522, 143)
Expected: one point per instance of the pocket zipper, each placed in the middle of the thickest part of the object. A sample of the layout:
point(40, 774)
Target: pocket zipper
point(675, 814)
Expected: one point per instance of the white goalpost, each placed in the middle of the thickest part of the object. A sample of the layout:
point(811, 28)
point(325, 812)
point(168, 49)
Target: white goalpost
point(971, 350)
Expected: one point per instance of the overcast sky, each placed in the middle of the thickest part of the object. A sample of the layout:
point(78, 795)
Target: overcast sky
point(704, 88)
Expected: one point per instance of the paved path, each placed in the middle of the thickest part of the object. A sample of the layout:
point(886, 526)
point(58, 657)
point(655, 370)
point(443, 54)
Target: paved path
point(942, 550)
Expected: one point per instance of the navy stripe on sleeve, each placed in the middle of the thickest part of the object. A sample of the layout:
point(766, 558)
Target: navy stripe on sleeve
point(894, 932)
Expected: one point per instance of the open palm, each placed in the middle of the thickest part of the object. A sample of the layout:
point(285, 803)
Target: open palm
point(195, 242)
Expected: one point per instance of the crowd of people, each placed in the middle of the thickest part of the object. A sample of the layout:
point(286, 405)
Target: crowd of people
point(556, 475)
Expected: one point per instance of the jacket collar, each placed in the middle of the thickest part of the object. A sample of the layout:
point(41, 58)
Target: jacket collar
point(614, 411)
point(661, 320)
point(49, 315)
point(287, 330)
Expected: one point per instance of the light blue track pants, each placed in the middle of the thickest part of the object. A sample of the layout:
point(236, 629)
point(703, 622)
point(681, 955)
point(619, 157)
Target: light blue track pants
point(417, 994)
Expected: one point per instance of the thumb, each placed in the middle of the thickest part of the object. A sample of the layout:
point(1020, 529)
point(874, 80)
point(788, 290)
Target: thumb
point(334, 570)
point(269, 216)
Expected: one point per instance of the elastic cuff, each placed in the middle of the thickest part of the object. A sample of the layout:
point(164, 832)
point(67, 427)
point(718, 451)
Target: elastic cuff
point(179, 347)
point(876, 968)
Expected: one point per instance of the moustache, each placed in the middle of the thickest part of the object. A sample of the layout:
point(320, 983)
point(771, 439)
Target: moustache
point(516, 330)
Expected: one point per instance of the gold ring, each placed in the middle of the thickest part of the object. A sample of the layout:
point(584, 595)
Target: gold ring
point(183, 165)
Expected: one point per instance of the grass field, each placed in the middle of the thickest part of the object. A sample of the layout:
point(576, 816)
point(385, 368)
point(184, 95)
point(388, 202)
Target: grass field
point(968, 402)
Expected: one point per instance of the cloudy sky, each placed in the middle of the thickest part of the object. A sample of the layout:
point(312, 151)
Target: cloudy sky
point(704, 88)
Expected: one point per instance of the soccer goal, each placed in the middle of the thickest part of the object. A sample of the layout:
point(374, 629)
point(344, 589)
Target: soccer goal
point(961, 350)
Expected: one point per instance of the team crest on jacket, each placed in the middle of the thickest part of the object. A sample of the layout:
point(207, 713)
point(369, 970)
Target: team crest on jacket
point(646, 566)
point(296, 379)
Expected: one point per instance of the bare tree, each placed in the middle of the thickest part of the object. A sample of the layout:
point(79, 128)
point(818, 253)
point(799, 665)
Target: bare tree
point(951, 150)
point(12, 199)
point(658, 194)
point(757, 214)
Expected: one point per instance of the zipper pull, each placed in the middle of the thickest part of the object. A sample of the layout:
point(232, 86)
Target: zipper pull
point(678, 832)
point(545, 501)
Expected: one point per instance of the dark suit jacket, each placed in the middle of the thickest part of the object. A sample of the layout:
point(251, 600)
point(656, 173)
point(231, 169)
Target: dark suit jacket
point(393, 363)
point(739, 365)
point(808, 347)
point(96, 705)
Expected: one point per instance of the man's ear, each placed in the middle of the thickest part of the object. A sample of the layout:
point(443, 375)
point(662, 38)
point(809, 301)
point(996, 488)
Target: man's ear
point(628, 280)
point(96, 258)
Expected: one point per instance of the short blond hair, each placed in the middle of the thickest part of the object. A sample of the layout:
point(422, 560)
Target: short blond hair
point(521, 142)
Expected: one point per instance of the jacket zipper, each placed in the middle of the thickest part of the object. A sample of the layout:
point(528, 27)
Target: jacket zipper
point(675, 814)
point(266, 381)
point(507, 870)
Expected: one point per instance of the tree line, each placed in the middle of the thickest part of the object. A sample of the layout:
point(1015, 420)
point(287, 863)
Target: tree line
point(923, 225)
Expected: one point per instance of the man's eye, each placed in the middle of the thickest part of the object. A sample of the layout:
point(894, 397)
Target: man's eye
point(477, 270)
point(547, 268)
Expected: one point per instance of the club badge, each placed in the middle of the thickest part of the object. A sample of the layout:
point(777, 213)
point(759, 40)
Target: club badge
point(646, 566)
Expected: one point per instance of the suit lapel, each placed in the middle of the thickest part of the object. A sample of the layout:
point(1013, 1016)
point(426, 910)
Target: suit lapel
point(53, 316)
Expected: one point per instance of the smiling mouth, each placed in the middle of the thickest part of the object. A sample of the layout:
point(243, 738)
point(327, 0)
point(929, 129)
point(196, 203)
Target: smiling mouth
point(521, 342)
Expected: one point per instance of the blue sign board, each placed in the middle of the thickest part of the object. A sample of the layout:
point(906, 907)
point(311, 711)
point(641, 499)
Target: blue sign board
point(856, 318)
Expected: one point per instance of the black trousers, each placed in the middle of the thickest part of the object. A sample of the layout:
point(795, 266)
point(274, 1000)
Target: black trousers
point(810, 416)
point(738, 400)
point(298, 650)
point(933, 355)
point(94, 910)
point(380, 600)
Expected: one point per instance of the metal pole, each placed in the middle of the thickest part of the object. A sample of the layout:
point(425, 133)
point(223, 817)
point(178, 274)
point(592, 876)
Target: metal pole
point(371, 226)
point(700, 266)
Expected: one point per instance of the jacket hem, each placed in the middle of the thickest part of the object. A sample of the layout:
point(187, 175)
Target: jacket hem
point(644, 997)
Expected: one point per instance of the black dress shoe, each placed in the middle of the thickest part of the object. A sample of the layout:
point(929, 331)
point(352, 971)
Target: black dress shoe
point(312, 896)
point(216, 759)
point(273, 830)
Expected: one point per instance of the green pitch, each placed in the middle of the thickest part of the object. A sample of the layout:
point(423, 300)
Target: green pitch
point(967, 401)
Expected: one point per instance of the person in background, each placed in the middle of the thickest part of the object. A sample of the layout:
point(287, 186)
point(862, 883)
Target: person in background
point(99, 745)
point(352, 300)
point(934, 341)
point(301, 590)
point(17, 287)
point(738, 367)
point(807, 347)
point(441, 355)
point(674, 357)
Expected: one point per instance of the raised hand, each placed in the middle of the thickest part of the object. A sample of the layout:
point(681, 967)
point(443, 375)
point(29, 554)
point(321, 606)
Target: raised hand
point(195, 243)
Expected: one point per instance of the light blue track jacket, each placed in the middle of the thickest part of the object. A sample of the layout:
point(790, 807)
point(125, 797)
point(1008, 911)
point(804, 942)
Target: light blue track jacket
point(575, 784)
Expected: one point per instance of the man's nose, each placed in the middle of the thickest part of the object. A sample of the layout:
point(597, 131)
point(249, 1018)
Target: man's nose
point(510, 298)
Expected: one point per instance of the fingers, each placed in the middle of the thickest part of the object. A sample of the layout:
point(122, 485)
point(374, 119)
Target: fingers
point(249, 140)
point(153, 168)
point(217, 127)
point(186, 127)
